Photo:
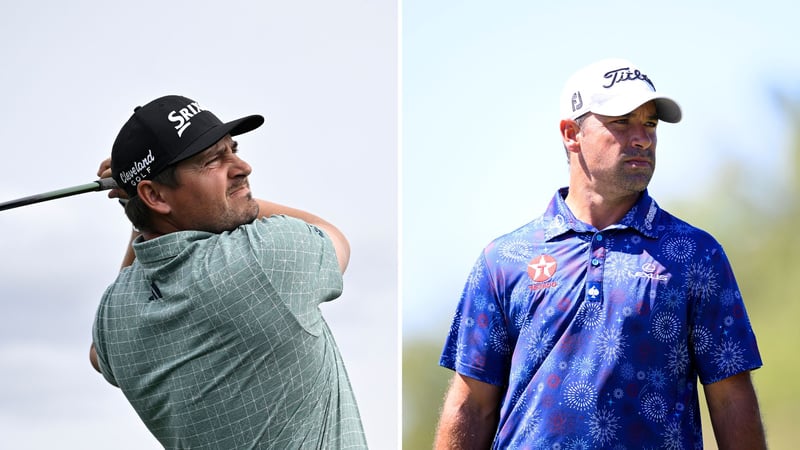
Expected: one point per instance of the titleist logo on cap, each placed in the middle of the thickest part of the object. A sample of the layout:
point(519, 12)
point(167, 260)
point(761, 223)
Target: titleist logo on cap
point(181, 117)
point(625, 74)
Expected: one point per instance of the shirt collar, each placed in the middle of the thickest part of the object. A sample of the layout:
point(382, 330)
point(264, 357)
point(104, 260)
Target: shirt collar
point(166, 246)
point(642, 217)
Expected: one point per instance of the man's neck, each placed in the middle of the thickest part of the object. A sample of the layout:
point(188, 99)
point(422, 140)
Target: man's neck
point(598, 210)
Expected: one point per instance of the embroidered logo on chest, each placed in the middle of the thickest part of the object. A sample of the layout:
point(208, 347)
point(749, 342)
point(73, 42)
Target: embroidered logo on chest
point(649, 270)
point(541, 269)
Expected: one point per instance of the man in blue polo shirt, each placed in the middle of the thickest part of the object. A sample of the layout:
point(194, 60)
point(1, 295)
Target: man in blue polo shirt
point(590, 326)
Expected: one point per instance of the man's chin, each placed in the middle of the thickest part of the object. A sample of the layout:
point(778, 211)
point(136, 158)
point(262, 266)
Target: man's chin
point(243, 215)
point(252, 213)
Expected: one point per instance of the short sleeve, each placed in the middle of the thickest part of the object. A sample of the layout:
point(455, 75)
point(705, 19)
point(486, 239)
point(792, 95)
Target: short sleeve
point(477, 345)
point(99, 342)
point(299, 261)
point(722, 339)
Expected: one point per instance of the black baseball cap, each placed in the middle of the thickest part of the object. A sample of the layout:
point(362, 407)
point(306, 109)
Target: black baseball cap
point(165, 131)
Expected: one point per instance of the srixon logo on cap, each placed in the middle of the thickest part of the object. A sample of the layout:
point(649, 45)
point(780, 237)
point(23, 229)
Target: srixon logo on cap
point(181, 117)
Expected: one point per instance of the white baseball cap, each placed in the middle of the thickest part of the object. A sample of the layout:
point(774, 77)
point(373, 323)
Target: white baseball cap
point(613, 87)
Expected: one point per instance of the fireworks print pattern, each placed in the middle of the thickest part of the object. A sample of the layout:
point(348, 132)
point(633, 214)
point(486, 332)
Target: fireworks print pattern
point(618, 372)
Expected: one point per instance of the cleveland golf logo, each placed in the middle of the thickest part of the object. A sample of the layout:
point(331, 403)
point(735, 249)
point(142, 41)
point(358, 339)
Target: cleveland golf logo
point(541, 269)
point(139, 170)
point(181, 117)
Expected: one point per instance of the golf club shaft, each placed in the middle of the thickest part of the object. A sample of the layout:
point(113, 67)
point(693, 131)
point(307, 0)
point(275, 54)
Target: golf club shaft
point(98, 185)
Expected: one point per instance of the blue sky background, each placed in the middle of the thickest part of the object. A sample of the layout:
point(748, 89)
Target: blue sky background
point(323, 74)
point(481, 151)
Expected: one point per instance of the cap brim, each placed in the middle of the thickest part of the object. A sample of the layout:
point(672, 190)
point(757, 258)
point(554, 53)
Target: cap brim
point(666, 108)
point(210, 137)
point(245, 124)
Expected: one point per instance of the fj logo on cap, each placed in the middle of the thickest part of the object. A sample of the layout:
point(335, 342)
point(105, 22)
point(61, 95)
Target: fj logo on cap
point(181, 117)
point(577, 101)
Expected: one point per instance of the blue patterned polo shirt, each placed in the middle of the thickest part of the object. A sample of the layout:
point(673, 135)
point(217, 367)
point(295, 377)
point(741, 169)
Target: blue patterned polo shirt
point(599, 336)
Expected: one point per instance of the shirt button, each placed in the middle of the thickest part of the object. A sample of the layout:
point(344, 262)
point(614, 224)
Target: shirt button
point(595, 262)
point(599, 237)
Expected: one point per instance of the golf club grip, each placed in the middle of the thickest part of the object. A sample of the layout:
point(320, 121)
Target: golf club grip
point(98, 185)
point(106, 184)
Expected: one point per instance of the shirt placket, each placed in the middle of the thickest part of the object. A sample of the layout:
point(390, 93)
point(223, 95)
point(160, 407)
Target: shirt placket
point(597, 257)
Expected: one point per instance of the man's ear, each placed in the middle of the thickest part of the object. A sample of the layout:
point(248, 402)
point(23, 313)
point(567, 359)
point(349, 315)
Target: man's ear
point(151, 195)
point(569, 135)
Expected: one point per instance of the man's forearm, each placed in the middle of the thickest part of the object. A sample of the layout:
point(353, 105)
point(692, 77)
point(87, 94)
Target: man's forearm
point(266, 209)
point(130, 256)
point(340, 243)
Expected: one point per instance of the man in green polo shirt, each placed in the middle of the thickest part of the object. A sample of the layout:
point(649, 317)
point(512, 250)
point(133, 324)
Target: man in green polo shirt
point(212, 330)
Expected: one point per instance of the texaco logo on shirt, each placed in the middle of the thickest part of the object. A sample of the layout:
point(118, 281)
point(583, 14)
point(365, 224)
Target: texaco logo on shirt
point(541, 269)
